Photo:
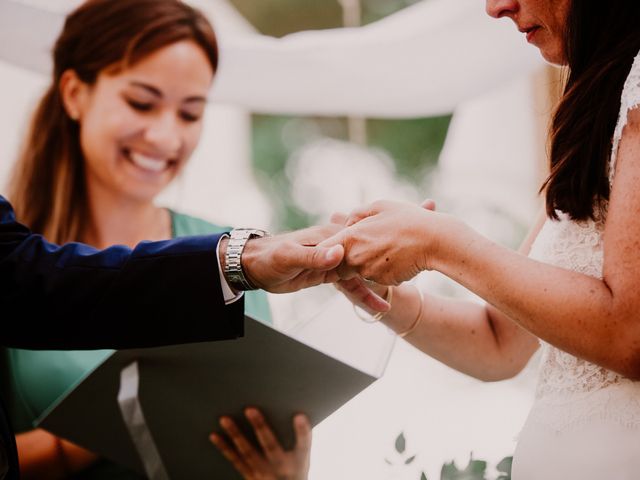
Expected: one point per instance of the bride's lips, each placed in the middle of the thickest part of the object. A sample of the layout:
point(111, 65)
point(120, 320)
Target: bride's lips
point(530, 32)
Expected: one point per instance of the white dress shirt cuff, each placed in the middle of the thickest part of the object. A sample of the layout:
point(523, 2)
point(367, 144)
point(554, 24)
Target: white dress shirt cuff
point(229, 295)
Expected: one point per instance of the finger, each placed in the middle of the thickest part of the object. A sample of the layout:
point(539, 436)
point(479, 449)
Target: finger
point(230, 454)
point(429, 204)
point(339, 218)
point(312, 236)
point(311, 278)
point(302, 428)
point(337, 239)
point(242, 445)
point(313, 258)
point(360, 214)
point(365, 296)
point(270, 444)
point(346, 272)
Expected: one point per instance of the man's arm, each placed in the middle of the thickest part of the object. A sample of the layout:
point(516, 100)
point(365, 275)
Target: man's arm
point(75, 297)
point(159, 293)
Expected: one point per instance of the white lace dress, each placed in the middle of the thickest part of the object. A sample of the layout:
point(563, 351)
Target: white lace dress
point(585, 422)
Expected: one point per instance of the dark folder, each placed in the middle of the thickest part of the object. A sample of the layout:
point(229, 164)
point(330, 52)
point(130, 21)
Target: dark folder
point(184, 389)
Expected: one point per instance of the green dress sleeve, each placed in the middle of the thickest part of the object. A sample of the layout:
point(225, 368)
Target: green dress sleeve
point(256, 304)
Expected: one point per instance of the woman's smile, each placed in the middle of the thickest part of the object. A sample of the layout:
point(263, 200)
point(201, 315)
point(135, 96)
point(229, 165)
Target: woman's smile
point(149, 163)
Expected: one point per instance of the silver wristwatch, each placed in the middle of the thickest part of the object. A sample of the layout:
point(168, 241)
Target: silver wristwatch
point(233, 257)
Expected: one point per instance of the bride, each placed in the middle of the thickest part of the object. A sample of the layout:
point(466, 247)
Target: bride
point(571, 289)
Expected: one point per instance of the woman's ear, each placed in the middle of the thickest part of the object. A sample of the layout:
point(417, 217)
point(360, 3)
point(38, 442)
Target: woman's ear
point(73, 92)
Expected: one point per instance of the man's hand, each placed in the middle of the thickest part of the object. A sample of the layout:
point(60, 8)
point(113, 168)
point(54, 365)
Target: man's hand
point(387, 242)
point(291, 261)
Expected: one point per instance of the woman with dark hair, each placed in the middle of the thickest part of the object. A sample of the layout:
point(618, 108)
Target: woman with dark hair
point(121, 117)
point(571, 289)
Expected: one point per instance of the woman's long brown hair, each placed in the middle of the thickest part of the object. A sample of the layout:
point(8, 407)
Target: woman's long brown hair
point(48, 183)
point(602, 40)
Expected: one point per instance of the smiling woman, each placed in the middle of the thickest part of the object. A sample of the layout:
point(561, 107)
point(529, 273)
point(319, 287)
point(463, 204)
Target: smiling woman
point(114, 91)
point(120, 120)
point(139, 124)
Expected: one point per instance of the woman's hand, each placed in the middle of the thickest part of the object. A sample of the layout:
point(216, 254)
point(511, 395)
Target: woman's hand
point(273, 462)
point(391, 242)
point(367, 295)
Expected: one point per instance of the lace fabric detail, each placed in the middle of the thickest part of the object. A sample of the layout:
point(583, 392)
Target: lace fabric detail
point(574, 246)
point(630, 100)
point(617, 404)
point(572, 391)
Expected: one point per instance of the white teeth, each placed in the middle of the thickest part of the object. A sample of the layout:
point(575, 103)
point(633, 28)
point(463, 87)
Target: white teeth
point(155, 165)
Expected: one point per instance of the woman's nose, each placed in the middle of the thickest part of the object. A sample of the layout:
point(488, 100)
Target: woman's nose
point(163, 133)
point(501, 8)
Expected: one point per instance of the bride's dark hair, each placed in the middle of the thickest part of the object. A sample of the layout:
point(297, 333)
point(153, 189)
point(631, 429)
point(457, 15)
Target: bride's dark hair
point(602, 40)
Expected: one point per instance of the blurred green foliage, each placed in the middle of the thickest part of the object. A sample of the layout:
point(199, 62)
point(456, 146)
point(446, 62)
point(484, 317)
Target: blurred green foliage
point(475, 469)
point(280, 17)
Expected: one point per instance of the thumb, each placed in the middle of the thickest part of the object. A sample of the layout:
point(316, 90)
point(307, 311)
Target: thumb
point(429, 204)
point(317, 258)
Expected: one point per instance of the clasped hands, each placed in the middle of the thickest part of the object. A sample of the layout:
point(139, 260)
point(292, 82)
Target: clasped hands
point(385, 242)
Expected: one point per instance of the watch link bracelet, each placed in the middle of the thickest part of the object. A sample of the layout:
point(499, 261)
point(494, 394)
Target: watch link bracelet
point(233, 257)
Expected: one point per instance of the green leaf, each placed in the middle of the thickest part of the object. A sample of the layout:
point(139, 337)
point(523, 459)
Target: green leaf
point(475, 470)
point(449, 471)
point(505, 465)
point(423, 476)
point(401, 443)
point(476, 466)
point(410, 460)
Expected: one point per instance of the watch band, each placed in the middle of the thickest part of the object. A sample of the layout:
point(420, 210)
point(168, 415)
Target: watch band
point(234, 273)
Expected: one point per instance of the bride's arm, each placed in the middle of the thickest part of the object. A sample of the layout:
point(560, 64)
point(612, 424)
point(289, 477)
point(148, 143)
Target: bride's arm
point(474, 338)
point(421, 61)
point(595, 319)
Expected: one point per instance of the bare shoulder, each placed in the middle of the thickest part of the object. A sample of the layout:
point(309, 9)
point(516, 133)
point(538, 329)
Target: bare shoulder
point(622, 229)
point(628, 155)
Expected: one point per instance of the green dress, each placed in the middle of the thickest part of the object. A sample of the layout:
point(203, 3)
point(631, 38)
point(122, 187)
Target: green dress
point(33, 380)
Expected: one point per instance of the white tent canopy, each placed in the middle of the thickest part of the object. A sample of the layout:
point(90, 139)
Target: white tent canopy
point(422, 61)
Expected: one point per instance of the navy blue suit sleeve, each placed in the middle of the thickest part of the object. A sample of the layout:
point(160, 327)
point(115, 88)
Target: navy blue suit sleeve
point(77, 297)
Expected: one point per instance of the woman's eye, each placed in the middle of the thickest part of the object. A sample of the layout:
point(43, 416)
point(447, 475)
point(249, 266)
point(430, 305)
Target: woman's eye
point(189, 117)
point(140, 106)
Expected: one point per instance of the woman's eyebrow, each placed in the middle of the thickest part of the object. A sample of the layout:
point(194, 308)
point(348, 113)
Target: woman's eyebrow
point(195, 99)
point(149, 88)
point(158, 93)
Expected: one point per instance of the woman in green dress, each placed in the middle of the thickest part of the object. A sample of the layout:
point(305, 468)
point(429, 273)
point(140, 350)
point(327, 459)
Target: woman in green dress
point(118, 123)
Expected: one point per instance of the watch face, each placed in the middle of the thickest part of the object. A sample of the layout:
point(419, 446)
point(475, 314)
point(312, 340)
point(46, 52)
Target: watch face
point(247, 233)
